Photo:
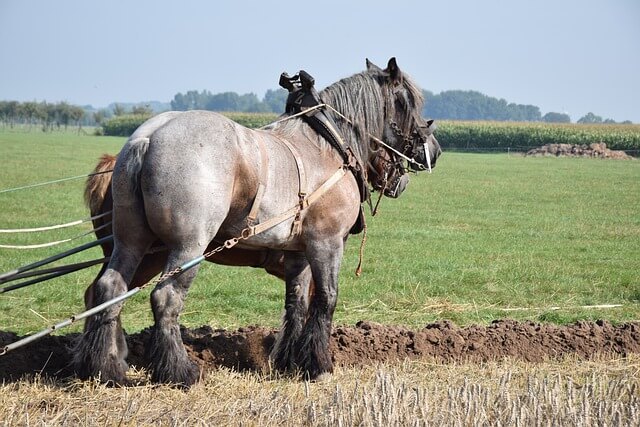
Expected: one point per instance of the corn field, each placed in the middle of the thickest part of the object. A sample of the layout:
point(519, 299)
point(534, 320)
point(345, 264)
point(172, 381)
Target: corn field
point(524, 135)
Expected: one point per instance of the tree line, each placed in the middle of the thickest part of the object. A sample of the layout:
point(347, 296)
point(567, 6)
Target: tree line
point(45, 115)
point(473, 105)
point(273, 101)
point(448, 105)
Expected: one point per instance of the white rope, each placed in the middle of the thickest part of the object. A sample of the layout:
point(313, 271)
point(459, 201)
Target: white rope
point(570, 307)
point(57, 242)
point(24, 187)
point(301, 113)
point(54, 227)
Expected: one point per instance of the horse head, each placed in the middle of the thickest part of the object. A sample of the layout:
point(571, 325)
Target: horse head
point(408, 134)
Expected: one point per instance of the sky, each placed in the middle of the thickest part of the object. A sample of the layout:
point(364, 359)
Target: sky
point(570, 56)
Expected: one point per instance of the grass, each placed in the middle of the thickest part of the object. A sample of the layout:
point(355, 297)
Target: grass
point(483, 234)
point(411, 393)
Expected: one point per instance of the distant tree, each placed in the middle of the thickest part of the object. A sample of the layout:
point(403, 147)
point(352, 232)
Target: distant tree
point(231, 101)
point(552, 117)
point(178, 102)
point(40, 114)
point(225, 101)
point(119, 110)
point(250, 103)
point(590, 118)
point(29, 112)
point(10, 112)
point(63, 114)
point(276, 100)
point(609, 121)
point(142, 110)
point(76, 114)
point(192, 100)
point(473, 105)
point(99, 117)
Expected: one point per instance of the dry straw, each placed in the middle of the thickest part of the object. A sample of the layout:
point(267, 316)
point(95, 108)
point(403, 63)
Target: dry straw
point(570, 392)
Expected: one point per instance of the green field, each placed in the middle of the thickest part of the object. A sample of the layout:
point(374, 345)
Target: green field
point(485, 236)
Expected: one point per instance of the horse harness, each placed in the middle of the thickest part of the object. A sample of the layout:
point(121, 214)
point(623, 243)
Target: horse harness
point(303, 97)
point(304, 101)
point(304, 198)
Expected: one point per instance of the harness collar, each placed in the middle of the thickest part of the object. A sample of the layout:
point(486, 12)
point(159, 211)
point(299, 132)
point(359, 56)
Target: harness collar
point(303, 97)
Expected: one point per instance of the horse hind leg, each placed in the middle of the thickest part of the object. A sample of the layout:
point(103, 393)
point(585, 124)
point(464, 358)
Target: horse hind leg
point(298, 284)
point(169, 360)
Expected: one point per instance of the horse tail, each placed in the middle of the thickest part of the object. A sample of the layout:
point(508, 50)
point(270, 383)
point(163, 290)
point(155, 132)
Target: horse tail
point(138, 144)
point(137, 149)
point(97, 185)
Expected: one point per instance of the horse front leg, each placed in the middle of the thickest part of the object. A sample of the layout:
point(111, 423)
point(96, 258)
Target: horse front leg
point(312, 354)
point(298, 287)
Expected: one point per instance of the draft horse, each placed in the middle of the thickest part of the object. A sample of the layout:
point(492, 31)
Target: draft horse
point(188, 178)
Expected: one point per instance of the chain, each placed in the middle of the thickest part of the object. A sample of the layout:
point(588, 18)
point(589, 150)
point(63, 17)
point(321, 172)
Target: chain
point(406, 139)
point(396, 129)
point(179, 270)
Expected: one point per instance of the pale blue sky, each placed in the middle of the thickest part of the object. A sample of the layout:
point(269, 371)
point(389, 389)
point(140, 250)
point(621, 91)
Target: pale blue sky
point(561, 55)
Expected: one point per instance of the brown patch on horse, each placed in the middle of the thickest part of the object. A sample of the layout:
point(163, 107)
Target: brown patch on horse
point(97, 185)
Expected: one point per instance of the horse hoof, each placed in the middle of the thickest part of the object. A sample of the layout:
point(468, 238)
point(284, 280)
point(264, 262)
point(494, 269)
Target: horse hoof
point(281, 364)
point(183, 377)
point(108, 378)
point(112, 371)
point(323, 377)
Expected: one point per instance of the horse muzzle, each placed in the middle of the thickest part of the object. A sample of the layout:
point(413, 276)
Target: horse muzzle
point(397, 186)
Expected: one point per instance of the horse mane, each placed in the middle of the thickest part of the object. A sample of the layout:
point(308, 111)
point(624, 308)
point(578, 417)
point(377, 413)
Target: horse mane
point(363, 98)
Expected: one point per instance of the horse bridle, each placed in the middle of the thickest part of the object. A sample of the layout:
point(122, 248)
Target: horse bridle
point(409, 149)
point(419, 136)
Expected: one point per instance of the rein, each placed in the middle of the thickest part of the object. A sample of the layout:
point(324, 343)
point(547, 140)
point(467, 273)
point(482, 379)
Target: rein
point(377, 140)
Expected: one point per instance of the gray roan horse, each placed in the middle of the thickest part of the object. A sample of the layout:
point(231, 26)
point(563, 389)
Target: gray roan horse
point(185, 178)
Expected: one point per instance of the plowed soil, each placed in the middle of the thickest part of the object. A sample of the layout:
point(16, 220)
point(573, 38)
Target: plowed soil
point(366, 342)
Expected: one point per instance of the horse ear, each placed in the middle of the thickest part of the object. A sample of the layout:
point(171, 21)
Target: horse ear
point(394, 71)
point(372, 67)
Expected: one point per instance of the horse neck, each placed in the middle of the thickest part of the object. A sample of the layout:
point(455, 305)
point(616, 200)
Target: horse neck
point(360, 99)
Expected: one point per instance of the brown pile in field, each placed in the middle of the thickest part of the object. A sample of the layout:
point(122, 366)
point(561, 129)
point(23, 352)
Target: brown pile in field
point(575, 150)
point(248, 348)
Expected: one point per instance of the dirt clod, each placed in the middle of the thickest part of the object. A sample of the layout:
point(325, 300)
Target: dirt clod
point(596, 149)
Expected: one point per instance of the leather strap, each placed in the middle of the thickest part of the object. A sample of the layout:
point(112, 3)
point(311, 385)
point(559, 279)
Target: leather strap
point(302, 176)
point(295, 210)
point(264, 174)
